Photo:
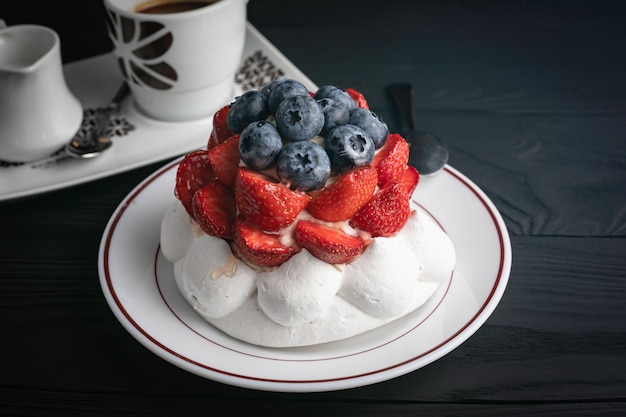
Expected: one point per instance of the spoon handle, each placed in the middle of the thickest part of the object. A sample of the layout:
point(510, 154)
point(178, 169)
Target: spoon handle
point(402, 94)
point(97, 140)
point(428, 153)
point(111, 108)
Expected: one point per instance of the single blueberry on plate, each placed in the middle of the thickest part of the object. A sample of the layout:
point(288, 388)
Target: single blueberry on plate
point(335, 114)
point(336, 93)
point(283, 90)
point(371, 123)
point(304, 164)
point(348, 147)
point(259, 145)
point(299, 118)
point(249, 107)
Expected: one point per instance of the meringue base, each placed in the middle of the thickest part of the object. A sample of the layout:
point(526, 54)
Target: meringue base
point(306, 301)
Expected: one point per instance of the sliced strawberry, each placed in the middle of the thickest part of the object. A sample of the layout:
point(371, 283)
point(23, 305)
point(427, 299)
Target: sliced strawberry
point(410, 179)
point(214, 209)
point(329, 244)
point(259, 247)
point(265, 203)
point(220, 131)
point(358, 98)
point(391, 160)
point(194, 172)
point(340, 200)
point(224, 159)
point(386, 213)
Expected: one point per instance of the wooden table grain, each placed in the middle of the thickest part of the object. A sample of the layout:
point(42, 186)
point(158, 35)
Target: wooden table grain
point(531, 99)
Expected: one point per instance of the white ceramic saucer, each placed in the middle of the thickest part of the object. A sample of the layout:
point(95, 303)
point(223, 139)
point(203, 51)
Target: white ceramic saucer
point(138, 140)
point(139, 287)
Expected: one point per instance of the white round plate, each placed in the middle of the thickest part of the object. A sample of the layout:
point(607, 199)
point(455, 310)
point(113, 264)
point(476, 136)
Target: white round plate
point(139, 287)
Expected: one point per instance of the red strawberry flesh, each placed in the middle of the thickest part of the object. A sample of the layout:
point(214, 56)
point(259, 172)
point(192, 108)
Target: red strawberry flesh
point(220, 131)
point(267, 204)
point(386, 213)
point(194, 172)
point(391, 160)
point(214, 209)
point(224, 159)
point(341, 199)
point(410, 179)
point(358, 98)
point(329, 244)
point(260, 248)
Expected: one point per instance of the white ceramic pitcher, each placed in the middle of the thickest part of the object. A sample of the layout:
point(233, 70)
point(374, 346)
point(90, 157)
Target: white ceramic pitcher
point(38, 113)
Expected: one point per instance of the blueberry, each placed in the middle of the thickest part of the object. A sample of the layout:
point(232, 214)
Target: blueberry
point(336, 93)
point(269, 87)
point(335, 114)
point(249, 107)
point(259, 145)
point(299, 118)
point(371, 123)
point(285, 89)
point(304, 164)
point(348, 147)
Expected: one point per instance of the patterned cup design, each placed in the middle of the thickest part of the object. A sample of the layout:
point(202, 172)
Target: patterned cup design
point(146, 42)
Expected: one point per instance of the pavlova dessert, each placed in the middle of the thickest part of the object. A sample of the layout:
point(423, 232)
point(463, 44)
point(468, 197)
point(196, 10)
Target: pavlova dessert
point(295, 226)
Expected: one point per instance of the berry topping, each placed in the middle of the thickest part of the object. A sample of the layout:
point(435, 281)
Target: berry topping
point(371, 123)
point(265, 203)
point(269, 87)
point(392, 159)
point(331, 245)
point(335, 112)
point(260, 144)
point(348, 147)
point(260, 248)
point(224, 159)
point(282, 150)
point(220, 131)
point(299, 118)
point(304, 165)
point(386, 213)
point(343, 198)
point(358, 98)
point(410, 179)
point(193, 173)
point(283, 90)
point(214, 209)
point(247, 108)
point(336, 93)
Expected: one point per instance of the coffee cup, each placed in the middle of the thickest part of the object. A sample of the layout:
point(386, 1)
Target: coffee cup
point(38, 112)
point(178, 57)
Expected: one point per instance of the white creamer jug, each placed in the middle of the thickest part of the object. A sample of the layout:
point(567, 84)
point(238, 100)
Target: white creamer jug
point(38, 113)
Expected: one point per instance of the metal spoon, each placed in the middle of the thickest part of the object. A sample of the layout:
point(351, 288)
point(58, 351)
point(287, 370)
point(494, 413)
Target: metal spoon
point(97, 141)
point(428, 153)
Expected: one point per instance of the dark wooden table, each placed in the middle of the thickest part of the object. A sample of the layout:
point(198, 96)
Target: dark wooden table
point(531, 98)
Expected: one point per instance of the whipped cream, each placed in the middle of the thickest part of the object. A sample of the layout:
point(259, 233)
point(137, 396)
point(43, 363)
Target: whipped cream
point(306, 301)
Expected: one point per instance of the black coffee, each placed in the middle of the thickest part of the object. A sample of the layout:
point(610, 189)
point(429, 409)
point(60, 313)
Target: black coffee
point(164, 6)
